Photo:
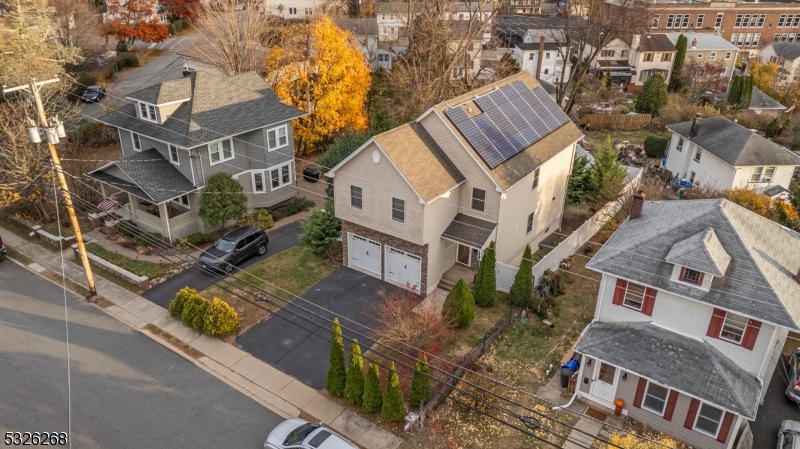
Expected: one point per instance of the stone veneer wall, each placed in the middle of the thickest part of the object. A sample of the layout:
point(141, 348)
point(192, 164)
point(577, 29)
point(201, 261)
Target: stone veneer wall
point(386, 239)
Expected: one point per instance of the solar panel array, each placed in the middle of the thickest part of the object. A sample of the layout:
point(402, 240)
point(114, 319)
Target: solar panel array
point(514, 117)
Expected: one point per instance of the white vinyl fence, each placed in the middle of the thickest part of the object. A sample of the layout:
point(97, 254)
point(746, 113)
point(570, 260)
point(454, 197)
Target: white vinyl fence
point(506, 273)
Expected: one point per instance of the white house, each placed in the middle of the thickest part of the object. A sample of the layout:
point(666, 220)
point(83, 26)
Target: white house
point(634, 64)
point(763, 104)
point(527, 53)
point(786, 55)
point(695, 304)
point(612, 59)
point(718, 152)
point(365, 31)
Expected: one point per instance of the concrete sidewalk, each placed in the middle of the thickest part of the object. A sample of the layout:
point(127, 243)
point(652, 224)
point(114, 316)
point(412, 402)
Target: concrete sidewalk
point(279, 392)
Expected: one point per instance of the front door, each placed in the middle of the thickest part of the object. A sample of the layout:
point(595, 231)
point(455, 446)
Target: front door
point(463, 254)
point(604, 383)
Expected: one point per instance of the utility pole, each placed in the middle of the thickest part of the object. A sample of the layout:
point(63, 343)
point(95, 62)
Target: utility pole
point(52, 137)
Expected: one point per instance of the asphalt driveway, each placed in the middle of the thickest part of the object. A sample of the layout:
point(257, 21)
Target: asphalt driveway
point(199, 279)
point(776, 408)
point(300, 348)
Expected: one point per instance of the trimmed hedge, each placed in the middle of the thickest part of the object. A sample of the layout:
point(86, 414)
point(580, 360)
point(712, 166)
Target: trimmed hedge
point(177, 305)
point(373, 395)
point(261, 218)
point(194, 312)
point(485, 289)
point(220, 319)
point(656, 145)
point(459, 306)
point(393, 408)
point(128, 60)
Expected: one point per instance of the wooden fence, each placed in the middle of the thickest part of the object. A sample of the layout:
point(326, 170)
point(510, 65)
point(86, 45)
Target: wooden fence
point(620, 122)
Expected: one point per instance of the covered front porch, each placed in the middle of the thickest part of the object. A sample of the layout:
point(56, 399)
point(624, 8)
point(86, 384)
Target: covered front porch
point(471, 237)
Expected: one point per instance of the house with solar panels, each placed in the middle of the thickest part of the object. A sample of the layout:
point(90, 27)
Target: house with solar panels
point(420, 204)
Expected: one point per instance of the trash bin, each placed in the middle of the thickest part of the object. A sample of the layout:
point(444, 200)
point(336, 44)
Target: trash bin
point(311, 174)
point(566, 373)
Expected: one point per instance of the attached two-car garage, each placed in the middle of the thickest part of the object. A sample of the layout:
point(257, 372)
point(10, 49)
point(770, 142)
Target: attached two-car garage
point(402, 268)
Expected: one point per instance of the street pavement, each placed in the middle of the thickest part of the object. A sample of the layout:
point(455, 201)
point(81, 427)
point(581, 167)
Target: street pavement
point(199, 279)
point(300, 348)
point(127, 390)
point(776, 408)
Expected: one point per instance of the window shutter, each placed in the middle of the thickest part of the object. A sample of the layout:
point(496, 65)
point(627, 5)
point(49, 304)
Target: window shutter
point(649, 301)
point(692, 414)
point(637, 401)
point(671, 400)
point(619, 292)
point(725, 428)
point(715, 326)
point(700, 279)
point(751, 334)
point(683, 270)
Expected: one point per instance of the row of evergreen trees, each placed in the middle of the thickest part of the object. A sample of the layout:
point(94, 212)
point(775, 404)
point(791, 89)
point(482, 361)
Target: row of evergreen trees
point(366, 391)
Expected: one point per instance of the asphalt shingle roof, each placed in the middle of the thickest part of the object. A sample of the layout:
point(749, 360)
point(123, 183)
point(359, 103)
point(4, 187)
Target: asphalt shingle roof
point(152, 178)
point(702, 252)
point(760, 100)
point(786, 50)
point(759, 281)
point(735, 144)
point(691, 366)
point(704, 41)
point(359, 27)
point(166, 92)
point(219, 107)
point(656, 42)
point(469, 230)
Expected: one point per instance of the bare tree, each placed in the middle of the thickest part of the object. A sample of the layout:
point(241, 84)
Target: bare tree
point(231, 35)
point(701, 77)
point(77, 23)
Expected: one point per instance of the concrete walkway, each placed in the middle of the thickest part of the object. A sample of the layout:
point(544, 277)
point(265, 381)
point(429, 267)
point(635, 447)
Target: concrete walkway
point(264, 384)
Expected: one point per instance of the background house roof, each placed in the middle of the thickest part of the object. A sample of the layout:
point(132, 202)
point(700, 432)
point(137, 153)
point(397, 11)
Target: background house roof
point(786, 50)
point(705, 41)
point(525, 46)
point(765, 257)
point(702, 252)
point(656, 42)
point(760, 100)
point(219, 107)
point(735, 144)
point(419, 158)
point(150, 177)
point(367, 26)
point(691, 366)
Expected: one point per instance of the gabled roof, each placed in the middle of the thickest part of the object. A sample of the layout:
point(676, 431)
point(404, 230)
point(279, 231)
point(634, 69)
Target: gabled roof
point(219, 107)
point(149, 177)
point(701, 252)
point(528, 46)
point(691, 366)
point(420, 160)
point(526, 161)
point(786, 50)
point(166, 92)
point(759, 281)
point(760, 100)
point(735, 144)
point(367, 26)
point(656, 42)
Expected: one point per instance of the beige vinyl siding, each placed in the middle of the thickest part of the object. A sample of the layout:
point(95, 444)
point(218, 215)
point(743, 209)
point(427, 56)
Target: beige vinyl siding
point(587, 374)
point(460, 156)
point(441, 253)
point(379, 183)
point(546, 202)
point(626, 390)
point(269, 197)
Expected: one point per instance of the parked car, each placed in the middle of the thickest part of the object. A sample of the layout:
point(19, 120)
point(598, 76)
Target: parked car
point(298, 433)
point(2, 249)
point(235, 247)
point(93, 94)
point(793, 390)
point(789, 435)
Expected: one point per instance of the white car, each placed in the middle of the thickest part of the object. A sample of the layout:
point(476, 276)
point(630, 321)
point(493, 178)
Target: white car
point(298, 433)
point(789, 435)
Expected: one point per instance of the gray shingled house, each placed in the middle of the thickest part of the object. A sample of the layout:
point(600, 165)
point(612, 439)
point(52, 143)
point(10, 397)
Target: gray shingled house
point(695, 304)
point(176, 134)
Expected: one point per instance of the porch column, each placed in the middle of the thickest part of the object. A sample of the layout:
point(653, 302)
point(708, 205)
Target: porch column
point(163, 210)
point(104, 190)
point(133, 205)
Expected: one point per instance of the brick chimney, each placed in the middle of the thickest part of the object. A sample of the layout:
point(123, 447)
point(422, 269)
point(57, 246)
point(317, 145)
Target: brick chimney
point(695, 125)
point(694, 43)
point(638, 204)
point(540, 57)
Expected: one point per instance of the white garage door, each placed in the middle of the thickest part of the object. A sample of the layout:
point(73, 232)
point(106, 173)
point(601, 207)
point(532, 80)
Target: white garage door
point(403, 268)
point(364, 253)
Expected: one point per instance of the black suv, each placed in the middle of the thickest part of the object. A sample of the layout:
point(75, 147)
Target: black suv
point(235, 247)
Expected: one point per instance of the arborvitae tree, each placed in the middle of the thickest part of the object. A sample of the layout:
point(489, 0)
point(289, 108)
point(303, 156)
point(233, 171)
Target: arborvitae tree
point(334, 381)
point(578, 185)
point(653, 95)
point(421, 386)
point(354, 384)
point(485, 289)
point(735, 94)
point(373, 395)
point(459, 306)
point(393, 408)
point(675, 83)
point(523, 280)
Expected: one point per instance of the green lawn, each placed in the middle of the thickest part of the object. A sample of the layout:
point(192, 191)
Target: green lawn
point(139, 267)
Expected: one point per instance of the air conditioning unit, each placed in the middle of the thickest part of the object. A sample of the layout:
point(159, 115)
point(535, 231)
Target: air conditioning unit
point(765, 180)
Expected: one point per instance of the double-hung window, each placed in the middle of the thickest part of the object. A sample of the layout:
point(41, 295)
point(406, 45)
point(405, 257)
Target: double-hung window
point(634, 296)
point(529, 228)
point(728, 55)
point(733, 328)
point(708, 419)
point(712, 56)
point(173, 155)
point(356, 199)
point(220, 151)
point(679, 146)
point(137, 144)
point(280, 176)
point(648, 57)
point(700, 18)
point(478, 199)
point(762, 174)
point(535, 183)
point(277, 138)
point(398, 210)
point(718, 23)
point(258, 182)
point(148, 112)
point(656, 19)
point(655, 398)
point(671, 20)
point(697, 154)
point(691, 276)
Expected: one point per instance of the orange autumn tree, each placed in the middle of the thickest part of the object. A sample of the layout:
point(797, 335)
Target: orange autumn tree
point(318, 68)
point(129, 20)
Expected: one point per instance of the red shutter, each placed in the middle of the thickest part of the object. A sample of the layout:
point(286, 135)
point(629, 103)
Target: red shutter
point(619, 292)
point(671, 400)
point(683, 270)
point(637, 401)
point(715, 326)
point(649, 301)
point(700, 278)
point(692, 414)
point(751, 334)
point(725, 428)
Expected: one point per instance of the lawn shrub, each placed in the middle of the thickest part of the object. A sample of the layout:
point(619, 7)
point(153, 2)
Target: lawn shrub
point(261, 218)
point(144, 238)
point(126, 229)
point(373, 395)
point(221, 319)
point(656, 145)
point(128, 59)
point(198, 238)
point(459, 306)
point(393, 408)
point(194, 312)
point(335, 379)
point(177, 305)
point(523, 280)
point(421, 386)
point(184, 246)
point(354, 381)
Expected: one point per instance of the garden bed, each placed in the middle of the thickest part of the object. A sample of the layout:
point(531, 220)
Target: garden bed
point(150, 270)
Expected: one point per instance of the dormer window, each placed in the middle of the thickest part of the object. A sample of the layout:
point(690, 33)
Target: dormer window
point(691, 276)
point(148, 112)
point(173, 155)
